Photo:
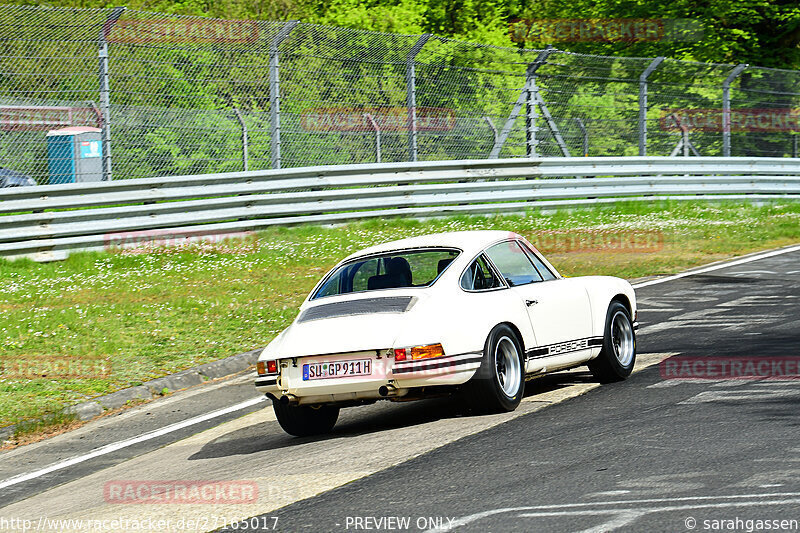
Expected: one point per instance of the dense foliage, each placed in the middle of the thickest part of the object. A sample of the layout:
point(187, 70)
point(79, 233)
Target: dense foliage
point(759, 32)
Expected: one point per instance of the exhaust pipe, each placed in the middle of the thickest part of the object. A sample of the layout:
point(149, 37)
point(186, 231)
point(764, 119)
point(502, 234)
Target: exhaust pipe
point(387, 390)
point(288, 399)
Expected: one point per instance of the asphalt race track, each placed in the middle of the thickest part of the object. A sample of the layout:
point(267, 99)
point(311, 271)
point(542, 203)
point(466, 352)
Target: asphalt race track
point(645, 455)
point(650, 454)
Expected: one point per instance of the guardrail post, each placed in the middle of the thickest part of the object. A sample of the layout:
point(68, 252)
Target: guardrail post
point(105, 97)
point(377, 136)
point(726, 109)
point(275, 92)
point(643, 103)
point(533, 98)
point(411, 94)
point(244, 139)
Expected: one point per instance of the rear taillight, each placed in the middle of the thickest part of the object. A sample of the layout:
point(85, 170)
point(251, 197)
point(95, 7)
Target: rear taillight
point(266, 368)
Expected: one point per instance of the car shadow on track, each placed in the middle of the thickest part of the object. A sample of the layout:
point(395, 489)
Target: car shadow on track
point(381, 416)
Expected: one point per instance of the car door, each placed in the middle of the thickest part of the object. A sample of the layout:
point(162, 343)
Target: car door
point(558, 308)
point(483, 292)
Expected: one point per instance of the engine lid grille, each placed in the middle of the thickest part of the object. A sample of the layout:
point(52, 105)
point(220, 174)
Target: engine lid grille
point(365, 306)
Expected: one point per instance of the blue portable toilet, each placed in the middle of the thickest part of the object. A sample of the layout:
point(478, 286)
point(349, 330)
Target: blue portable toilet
point(75, 154)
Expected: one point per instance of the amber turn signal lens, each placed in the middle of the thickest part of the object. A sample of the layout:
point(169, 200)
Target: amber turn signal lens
point(426, 352)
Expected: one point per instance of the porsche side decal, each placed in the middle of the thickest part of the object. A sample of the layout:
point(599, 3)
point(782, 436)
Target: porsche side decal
point(564, 347)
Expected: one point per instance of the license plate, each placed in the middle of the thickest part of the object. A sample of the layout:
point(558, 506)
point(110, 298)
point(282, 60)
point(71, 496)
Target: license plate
point(337, 369)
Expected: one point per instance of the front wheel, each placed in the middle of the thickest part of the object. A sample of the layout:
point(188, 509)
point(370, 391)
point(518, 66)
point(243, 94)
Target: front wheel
point(499, 383)
point(304, 420)
point(618, 354)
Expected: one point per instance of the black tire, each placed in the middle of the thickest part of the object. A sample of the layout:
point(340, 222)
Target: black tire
point(303, 420)
point(618, 354)
point(499, 383)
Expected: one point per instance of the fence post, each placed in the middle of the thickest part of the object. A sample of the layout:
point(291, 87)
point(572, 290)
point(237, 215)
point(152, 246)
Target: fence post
point(244, 139)
point(275, 92)
point(494, 129)
point(532, 100)
point(584, 137)
point(377, 136)
point(105, 97)
point(685, 140)
point(530, 119)
point(726, 109)
point(411, 95)
point(643, 103)
point(684, 144)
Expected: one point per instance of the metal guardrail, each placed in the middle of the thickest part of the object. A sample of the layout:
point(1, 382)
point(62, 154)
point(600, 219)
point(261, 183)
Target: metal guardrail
point(45, 222)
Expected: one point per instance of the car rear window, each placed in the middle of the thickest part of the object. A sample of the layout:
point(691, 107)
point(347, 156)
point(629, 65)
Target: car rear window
point(404, 268)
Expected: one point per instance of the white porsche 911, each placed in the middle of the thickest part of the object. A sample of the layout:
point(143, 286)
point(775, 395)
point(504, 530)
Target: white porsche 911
point(476, 312)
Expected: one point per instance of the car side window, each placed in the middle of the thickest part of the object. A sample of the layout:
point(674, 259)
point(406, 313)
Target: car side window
point(363, 272)
point(513, 263)
point(479, 276)
point(539, 264)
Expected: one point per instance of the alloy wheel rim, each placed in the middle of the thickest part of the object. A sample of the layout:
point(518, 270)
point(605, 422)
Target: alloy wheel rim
point(622, 338)
point(507, 367)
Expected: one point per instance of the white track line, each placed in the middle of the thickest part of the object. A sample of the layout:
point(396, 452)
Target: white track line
point(718, 266)
point(782, 498)
point(114, 446)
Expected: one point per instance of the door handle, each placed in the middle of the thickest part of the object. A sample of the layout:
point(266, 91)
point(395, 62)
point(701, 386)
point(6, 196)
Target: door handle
point(531, 302)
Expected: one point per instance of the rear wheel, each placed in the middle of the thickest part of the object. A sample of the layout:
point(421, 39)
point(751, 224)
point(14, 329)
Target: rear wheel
point(618, 354)
point(304, 420)
point(499, 383)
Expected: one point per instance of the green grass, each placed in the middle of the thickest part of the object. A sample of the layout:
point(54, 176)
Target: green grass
point(45, 424)
point(152, 314)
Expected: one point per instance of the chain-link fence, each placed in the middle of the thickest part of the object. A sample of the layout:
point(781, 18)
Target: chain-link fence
point(91, 94)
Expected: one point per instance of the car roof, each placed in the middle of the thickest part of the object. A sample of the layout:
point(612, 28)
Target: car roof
point(471, 242)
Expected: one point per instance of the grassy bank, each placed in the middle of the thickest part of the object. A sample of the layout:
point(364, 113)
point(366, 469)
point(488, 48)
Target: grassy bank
point(143, 316)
